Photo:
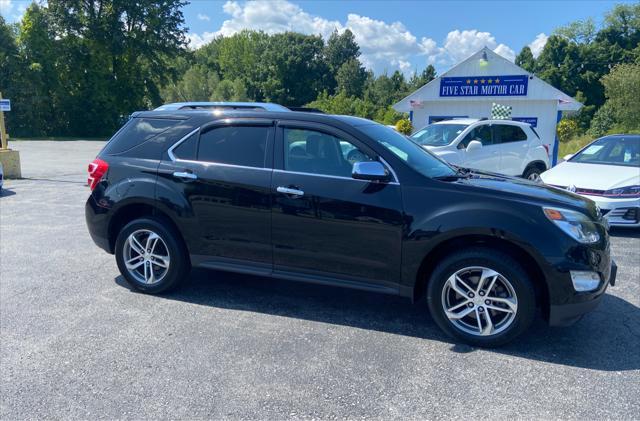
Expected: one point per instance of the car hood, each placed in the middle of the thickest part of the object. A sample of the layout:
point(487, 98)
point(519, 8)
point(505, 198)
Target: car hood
point(592, 176)
point(529, 191)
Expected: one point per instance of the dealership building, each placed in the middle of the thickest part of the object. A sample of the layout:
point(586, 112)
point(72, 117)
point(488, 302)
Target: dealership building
point(470, 89)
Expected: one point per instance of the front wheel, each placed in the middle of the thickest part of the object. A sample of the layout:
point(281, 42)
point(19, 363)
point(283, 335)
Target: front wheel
point(481, 297)
point(151, 256)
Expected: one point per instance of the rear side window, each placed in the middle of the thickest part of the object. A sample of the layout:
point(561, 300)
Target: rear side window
point(503, 133)
point(235, 145)
point(188, 149)
point(137, 131)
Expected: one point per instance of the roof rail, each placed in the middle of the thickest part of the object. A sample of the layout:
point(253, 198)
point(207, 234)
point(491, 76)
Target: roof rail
point(247, 106)
point(306, 110)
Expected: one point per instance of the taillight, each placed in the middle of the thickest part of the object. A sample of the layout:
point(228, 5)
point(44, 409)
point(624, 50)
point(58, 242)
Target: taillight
point(546, 148)
point(96, 170)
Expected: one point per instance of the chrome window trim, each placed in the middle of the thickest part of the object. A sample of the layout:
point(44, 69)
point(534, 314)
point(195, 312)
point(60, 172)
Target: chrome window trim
point(178, 143)
point(173, 158)
point(221, 164)
point(392, 183)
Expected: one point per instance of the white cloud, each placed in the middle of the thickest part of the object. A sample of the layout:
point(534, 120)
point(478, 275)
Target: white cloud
point(384, 46)
point(538, 44)
point(202, 16)
point(273, 17)
point(5, 7)
point(461, 44)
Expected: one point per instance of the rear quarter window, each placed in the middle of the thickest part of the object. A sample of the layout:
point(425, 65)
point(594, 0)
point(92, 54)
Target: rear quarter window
point(137, 131)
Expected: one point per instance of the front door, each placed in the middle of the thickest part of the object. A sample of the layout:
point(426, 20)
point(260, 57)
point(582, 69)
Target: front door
point(325, 223)
point(486, 158)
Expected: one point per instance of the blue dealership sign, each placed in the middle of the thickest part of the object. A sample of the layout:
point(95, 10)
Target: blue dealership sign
point(531, 120)
point(510, 85)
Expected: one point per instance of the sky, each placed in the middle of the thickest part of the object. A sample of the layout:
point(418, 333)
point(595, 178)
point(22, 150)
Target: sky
point(404, 35)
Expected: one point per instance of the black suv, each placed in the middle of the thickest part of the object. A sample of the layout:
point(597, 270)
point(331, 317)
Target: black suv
point(340, 200)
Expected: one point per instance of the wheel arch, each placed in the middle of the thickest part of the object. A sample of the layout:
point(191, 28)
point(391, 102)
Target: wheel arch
point(135, 210)
point(535, 164)
point(528, 262)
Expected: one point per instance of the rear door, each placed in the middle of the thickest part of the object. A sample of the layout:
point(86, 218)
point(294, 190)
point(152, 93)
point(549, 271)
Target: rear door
point(513, 145)
point(326, 224)
point(224, 173)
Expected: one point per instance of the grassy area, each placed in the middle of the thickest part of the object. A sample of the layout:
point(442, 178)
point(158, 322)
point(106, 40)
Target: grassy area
point(574, 145)
point(58, 138)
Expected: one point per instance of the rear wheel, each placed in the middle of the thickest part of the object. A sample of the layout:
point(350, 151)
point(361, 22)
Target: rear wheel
point(151, 256)
point(481, 297)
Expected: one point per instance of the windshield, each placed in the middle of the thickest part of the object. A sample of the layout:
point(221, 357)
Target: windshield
point(438, 134)
point(611, 150)
point(411, 153)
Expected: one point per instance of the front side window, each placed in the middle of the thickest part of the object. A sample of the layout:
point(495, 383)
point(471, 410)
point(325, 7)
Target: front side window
point(481, 133)
point(438, 134)
point(410, 152)
point(506, 133)
point(314, 152)
point(235, 145)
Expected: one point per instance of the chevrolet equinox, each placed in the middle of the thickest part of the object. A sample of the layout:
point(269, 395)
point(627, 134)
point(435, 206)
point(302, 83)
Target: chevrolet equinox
point(343, 201)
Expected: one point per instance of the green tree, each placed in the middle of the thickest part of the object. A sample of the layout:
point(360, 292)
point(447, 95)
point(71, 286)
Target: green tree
point(622, 89)
point(525, 59)
point(419, 80)
point(293, 68)
point(351, 77)
point(125, 51)
point(340, 49)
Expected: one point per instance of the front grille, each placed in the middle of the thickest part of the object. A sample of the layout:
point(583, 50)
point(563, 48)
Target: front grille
point(631, 214)
point(592, 192)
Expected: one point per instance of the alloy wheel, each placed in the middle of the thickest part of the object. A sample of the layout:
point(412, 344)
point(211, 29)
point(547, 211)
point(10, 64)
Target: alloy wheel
point(479, 301)
point(534, 176)
point(146, 256)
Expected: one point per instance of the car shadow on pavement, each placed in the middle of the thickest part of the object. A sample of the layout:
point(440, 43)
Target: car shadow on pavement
point(607, 339)
point(4, 192)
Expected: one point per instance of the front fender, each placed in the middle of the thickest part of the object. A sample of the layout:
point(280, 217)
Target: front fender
point(514, 224)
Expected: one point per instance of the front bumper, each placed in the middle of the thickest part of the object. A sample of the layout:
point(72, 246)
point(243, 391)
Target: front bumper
point(619, 212)
point(568, 313)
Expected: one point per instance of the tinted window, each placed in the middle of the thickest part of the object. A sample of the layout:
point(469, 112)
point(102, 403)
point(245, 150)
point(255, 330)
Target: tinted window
point(188, 148)
point(410, 152)
point(137, 131)
point(236, 145)
point(438, 134)
point(314, 152)
point(623, 150)
point(503, 133)
point(480, 133)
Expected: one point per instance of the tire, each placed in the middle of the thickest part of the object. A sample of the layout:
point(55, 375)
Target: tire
point(169, 260)
point(532, 173)
point(508, 323)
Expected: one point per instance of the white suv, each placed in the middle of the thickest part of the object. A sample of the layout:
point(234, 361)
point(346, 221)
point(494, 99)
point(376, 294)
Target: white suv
point(499, 146)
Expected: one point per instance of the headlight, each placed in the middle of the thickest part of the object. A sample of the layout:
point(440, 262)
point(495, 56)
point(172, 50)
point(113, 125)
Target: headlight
point(576, 224)
point(629, 191)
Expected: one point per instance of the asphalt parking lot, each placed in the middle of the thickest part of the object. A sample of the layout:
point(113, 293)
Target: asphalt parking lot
point(76, 342)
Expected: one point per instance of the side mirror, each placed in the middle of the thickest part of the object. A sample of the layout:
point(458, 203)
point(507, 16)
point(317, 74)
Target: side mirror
point(370, 170)
point(567, 157)
point(474, 145)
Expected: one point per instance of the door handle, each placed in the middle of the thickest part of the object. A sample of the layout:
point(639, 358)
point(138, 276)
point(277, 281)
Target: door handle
point(291, 191)
point(186, 176)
